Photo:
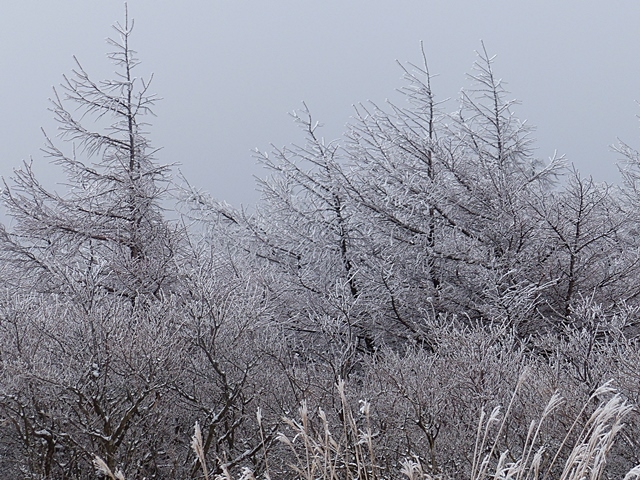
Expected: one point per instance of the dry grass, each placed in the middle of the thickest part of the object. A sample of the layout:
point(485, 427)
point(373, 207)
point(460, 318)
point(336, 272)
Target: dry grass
point(586, 460)
point(321, 452)
point(103, 469)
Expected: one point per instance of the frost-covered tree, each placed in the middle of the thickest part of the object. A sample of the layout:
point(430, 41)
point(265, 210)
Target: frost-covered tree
point(310, 231)
point(446, 200)
point(304, 244)
point(395, 181)
point(491, 180)
point(106, 232)
point(584, 251)
point(89, 330)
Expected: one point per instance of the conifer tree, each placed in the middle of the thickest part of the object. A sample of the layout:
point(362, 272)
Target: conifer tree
point(106, 232)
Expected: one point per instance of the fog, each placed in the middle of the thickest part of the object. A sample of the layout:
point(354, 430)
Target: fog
point(229, 72)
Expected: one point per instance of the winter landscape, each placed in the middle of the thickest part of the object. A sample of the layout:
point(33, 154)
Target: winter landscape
point(422, 299)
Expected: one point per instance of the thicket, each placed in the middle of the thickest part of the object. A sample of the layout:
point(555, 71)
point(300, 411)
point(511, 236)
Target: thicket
point(388, 294)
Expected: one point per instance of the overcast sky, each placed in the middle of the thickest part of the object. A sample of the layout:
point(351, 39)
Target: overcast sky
point(229, 71)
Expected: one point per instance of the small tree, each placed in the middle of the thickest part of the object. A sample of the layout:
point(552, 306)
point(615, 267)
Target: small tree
point(106, 233)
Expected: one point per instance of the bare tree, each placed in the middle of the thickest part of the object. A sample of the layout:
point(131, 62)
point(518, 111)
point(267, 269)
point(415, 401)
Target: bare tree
point(88, 333)
point(584, 252)
point(446, 199)
point(106, 232)
point(395, 183)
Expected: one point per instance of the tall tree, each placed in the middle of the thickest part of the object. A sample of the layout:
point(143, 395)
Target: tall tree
point(395, 182)
point(106, 232)
point(447, 201)
point(492, 175)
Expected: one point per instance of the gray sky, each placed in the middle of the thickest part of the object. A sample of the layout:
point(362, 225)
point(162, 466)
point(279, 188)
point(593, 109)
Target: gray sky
point(229, 71)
